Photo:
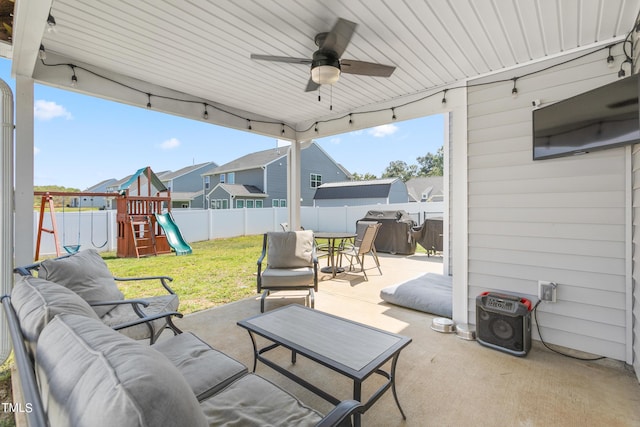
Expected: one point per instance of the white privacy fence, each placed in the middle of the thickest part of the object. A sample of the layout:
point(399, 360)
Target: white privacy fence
point(97, 229)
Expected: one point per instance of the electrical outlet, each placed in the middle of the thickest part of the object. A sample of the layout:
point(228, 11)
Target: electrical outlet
point(547, 291)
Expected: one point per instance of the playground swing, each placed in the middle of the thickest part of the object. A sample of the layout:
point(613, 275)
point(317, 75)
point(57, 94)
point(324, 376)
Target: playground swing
point(71, 249)
point(106, 240)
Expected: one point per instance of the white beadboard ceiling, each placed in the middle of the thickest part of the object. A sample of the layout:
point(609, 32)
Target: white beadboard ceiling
point(199, 50)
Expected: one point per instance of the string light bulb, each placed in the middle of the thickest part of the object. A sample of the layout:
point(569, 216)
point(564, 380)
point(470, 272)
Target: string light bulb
point(350, 119)
point(51, 24)
point(149, 100)
point(514, 91)
point(74, 79)
point(205, 114)
point(444, 97)
point(282, 130)
point(393, 113)
point(622, 73)
point(42, 54)
point(248, 124)
point(610, 58)
point(316, 127)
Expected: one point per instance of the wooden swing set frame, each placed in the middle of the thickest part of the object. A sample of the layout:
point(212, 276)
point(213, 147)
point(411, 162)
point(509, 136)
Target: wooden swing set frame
point(47, 201)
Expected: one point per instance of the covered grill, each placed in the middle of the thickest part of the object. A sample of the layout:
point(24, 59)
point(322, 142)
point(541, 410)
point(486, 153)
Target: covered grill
point(395, 235)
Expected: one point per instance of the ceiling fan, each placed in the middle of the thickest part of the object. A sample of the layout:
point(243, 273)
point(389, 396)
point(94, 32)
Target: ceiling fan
point(326, 64)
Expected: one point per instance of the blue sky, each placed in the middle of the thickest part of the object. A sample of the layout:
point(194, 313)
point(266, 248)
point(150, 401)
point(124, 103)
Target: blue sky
point(81, 140)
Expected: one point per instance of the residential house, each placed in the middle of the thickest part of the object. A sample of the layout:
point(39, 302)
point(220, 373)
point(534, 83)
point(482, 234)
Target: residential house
point(99, 202)
point(260, 179)
point(358, 193)
point(187, 185)
point(426, 189)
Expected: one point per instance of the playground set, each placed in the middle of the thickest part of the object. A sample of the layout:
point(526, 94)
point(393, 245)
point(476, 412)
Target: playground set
point(143, 228)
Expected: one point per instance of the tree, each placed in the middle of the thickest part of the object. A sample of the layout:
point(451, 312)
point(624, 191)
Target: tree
point(432, 164)
point(400, 169)
point(364, 177)
point(57, 200)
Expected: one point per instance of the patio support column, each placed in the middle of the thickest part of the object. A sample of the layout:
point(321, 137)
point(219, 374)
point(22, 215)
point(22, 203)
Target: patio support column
point(24, 217)
point(6, 208)
point(293, 187)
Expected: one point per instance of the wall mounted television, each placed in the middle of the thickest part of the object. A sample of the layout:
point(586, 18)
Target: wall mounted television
point(601, 118)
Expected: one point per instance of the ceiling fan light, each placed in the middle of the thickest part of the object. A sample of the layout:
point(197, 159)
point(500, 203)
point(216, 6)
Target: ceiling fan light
point(325, 74)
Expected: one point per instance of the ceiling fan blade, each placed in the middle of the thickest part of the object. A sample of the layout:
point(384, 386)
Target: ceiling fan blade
point(311, 86)
point(287, 59)
point(362, 68)
point(338, 38)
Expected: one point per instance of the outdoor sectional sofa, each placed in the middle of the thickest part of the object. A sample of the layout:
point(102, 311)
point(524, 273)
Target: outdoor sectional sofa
point(76, 370)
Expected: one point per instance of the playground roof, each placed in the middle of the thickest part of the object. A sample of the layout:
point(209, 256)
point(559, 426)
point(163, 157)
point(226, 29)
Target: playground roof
point(144, 173)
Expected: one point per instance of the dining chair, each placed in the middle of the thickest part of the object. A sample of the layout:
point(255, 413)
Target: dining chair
point(363, 247)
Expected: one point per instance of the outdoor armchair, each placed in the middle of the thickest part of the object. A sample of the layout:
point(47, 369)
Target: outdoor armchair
point(86, 273)
point(291, 264)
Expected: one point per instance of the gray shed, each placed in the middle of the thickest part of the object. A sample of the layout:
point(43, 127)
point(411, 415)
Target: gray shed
point(357, 193)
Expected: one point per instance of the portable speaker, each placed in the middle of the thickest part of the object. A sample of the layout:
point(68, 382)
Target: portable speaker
point(503, 322)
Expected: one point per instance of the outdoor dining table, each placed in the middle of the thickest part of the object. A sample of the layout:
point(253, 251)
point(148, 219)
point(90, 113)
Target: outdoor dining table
point(332, 247)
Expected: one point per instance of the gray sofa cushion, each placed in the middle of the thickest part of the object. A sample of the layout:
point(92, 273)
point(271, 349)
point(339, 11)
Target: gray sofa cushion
point(86, 274)
point(254, 401)
point(290, 249)
point(36, 301)
point(90, 375)
point(123, 313)
point(429, 292)
point(206, 370)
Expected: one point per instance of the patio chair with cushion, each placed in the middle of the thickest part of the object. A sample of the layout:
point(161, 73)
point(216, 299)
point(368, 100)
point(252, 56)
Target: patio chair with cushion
point(362, 248)
point(291, 264)
point(86, 274)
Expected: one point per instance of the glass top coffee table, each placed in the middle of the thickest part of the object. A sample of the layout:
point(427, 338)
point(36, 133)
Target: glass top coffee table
point(352, 349)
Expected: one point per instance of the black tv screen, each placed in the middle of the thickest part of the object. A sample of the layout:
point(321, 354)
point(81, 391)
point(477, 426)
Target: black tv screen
point(601, 118)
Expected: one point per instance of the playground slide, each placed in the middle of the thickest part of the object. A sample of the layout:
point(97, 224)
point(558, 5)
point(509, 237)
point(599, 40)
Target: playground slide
point(174, 237)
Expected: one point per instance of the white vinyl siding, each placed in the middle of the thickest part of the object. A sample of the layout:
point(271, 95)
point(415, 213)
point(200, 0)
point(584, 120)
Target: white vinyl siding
point(636, 258)
point(635, 301)
point(561, 220)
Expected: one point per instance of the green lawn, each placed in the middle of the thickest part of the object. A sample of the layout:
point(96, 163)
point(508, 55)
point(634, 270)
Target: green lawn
point(217, 272)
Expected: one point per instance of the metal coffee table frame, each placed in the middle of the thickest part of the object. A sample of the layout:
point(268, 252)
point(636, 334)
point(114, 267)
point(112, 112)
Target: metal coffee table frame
point(287, 326)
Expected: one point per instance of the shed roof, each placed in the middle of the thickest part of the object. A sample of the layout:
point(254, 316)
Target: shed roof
point(378, 188)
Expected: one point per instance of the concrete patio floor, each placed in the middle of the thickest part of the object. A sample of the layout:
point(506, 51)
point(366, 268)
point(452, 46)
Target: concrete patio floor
point(441, 379)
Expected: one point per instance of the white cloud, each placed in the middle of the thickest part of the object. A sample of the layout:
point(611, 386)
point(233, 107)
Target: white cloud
point(383, 130)
point(47, 110)
point(170, 144)
point(336, 140)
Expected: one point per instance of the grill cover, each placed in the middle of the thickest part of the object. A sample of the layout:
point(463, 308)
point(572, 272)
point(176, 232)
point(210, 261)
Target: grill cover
point(429, 234)
point(394, 235)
